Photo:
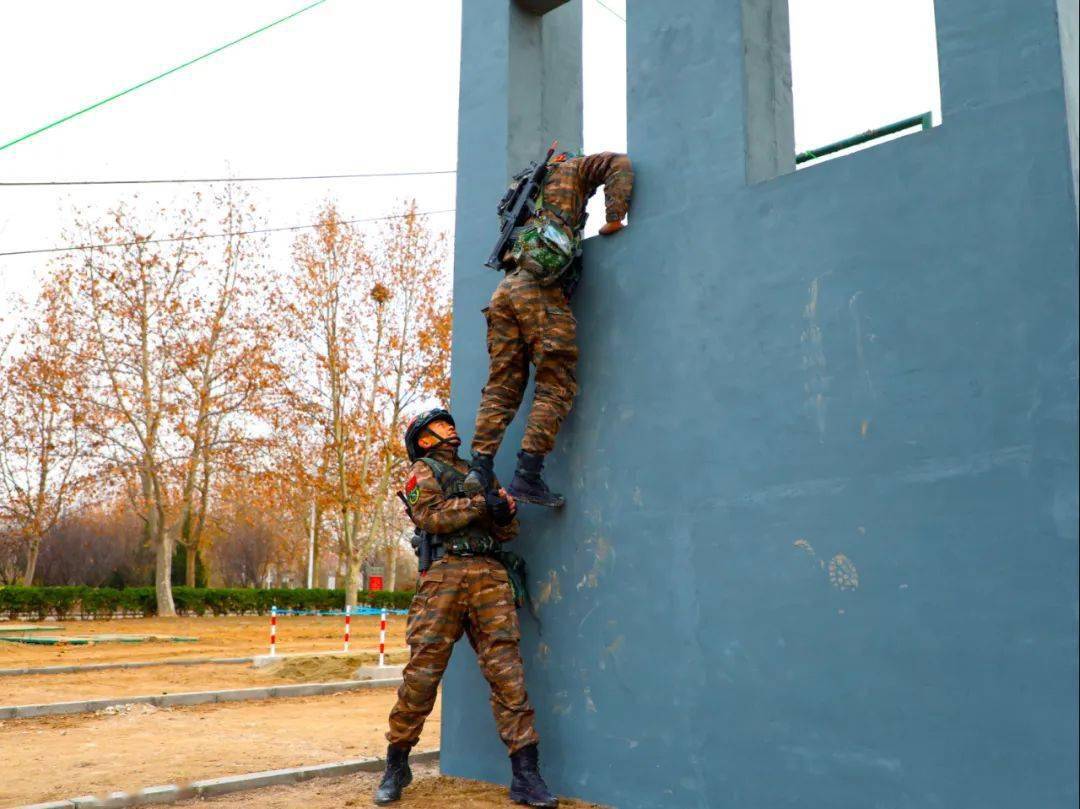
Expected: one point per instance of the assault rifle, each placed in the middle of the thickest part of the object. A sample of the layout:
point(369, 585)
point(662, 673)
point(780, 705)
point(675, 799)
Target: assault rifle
point(517, 205)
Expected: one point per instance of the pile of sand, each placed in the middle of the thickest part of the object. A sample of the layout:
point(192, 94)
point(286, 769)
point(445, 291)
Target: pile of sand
point(325, 668)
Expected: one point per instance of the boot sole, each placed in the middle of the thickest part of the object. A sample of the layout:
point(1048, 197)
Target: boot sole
point(525, 802)
point(394, 800)
point(524, 498)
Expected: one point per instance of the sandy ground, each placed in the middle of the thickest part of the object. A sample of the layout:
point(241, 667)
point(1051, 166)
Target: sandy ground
point(34, 689)
point(64, 756)
point(228, 636)
point(429, 790)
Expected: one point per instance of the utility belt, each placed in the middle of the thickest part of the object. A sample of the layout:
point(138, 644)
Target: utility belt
point(462, 543)
point(469, 542)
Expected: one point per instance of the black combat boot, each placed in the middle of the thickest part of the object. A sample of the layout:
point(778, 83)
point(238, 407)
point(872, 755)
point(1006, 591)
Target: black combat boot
point(481, 473)
point(527, 485)
point(397, 775)
point(528, 786)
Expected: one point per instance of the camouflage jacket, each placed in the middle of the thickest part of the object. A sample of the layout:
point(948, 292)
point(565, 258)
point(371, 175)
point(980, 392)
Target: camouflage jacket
point(434, 512)
point(571, 183)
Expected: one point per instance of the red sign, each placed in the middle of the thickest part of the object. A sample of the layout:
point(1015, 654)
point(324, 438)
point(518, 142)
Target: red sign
point(374, 582)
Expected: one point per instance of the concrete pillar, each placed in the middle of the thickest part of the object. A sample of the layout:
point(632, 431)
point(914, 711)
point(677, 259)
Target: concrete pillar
point(1070, 68)
point(770, 119)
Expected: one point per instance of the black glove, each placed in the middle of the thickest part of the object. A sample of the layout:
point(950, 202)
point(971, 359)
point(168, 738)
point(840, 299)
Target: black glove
point(498, 507)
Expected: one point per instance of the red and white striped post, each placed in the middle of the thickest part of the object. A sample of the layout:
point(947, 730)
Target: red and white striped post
point(382, 638)
point(273, 630)
point(348, 616)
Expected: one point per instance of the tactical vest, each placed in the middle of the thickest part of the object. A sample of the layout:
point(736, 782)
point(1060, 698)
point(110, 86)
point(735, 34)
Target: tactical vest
point(471, 540)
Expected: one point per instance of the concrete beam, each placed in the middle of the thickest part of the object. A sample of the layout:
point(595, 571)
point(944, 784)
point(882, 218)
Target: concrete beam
point(540, 7)
point(192, 698)
point(211, 787)
point(137, 664)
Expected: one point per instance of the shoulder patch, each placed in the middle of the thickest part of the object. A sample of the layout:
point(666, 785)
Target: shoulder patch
point(410, 484)
point(413, 495)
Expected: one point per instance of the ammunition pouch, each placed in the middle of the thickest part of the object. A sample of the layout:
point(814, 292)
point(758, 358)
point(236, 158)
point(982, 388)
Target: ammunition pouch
point(545, 247)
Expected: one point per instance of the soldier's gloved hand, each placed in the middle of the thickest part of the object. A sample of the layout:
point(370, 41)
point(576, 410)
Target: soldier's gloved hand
point(498, 507)
point(611, 227)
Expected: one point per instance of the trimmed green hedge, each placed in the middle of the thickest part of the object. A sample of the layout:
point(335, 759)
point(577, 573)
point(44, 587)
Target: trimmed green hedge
point(105, 602)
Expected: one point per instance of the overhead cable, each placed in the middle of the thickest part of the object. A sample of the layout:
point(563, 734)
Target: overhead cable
point(199, 236)
point(168, 72)
point(156, 181)
point(609, 8)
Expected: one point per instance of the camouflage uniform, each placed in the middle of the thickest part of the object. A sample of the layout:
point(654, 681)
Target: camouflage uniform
point(529, 317)
point(470, 595)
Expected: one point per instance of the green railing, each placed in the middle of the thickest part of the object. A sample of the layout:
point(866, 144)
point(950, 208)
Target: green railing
point(925, 121)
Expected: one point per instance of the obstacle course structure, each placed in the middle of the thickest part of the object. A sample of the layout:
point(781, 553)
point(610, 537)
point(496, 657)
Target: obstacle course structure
point(824, 461)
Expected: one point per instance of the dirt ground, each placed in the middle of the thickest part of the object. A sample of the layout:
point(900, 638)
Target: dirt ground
point(140, 746)
point(429, 790)
point(228, 636)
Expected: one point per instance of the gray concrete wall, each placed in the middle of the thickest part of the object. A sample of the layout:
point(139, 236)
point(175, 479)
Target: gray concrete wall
point(821, 545)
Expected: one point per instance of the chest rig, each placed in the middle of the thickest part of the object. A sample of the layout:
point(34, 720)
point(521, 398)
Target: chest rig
point(472, 540)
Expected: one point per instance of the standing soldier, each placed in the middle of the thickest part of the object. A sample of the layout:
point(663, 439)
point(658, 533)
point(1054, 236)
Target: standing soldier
point(529, 318)
point(464, 591)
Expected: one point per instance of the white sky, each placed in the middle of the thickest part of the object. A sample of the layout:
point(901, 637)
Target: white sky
point(350, 86)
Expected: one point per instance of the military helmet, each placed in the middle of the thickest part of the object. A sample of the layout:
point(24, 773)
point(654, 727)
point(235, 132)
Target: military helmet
point(418, 425)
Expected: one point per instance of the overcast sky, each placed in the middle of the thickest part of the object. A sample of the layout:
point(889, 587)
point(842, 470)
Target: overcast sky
point(350, 86)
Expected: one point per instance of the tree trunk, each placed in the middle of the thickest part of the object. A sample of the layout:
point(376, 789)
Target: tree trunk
point(189, 568)
point(31, 561)
point(163, 576)
point(352, 559)
point(391, 567)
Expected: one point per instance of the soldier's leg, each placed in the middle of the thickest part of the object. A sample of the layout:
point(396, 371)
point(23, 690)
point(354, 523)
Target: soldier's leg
point(556, 375)
point(436, 620)
point(508, 373)
point(493, 630)
point(550, 331)
point(494, 633)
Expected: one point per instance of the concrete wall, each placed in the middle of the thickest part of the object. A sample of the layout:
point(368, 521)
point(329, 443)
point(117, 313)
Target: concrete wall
point(821, 545)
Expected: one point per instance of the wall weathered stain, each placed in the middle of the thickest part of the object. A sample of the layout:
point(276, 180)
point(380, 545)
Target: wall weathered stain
point(821, 541)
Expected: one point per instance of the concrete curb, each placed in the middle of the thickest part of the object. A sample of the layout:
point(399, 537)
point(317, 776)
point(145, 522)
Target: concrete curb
point(193, 698)
point(212, 787)
point(138, 664)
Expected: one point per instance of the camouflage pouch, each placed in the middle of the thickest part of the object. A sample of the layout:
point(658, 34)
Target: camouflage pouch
point(544, 249)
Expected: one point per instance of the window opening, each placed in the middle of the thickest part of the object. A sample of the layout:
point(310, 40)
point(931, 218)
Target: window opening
point(604, 88)
point(863, 72)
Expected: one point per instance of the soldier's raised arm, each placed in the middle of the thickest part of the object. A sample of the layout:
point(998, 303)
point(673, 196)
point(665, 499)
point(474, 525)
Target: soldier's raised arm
point(432, 511)
point(615, 172)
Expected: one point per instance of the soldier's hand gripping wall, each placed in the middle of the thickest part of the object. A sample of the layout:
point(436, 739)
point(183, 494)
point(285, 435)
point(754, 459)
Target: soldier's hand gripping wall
point(529, 321)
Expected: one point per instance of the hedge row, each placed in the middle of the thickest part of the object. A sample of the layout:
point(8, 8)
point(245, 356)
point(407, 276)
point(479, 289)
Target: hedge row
point(105, 602)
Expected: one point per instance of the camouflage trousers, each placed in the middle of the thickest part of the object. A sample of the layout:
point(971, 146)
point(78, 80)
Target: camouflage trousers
point(470, 595)
point(527, 323)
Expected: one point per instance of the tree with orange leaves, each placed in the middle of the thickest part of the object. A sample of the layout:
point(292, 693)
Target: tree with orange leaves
point(225, 361)
point(414, 284)
point(335, 318)
point(41, 440)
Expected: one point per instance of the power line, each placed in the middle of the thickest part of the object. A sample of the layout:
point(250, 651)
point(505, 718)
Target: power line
point(226, 179)
point(609, 8)
point(168, 72)
point(74, 247)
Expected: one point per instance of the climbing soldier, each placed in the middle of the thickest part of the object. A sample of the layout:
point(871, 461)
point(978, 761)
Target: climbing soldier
point(529, 318)
point(467, 589)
